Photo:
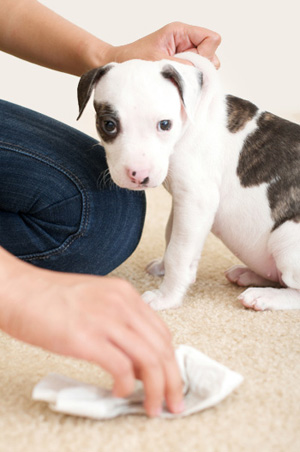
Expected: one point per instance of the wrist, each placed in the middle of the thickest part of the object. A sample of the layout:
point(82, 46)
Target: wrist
point(14, 278)
point(95, 53)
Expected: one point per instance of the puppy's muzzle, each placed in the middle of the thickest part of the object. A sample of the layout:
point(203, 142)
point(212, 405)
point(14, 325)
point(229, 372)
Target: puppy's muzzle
point(140, 177)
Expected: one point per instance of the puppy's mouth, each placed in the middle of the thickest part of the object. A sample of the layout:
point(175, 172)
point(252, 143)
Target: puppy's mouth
point(136, 186)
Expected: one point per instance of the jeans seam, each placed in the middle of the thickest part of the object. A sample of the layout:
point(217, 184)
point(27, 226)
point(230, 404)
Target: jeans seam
point(84, 220)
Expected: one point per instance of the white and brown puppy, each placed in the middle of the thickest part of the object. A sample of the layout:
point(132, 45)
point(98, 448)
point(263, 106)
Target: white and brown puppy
point(230, 167)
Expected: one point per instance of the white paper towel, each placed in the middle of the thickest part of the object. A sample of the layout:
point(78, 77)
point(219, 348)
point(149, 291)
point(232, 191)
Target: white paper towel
point(206, 383)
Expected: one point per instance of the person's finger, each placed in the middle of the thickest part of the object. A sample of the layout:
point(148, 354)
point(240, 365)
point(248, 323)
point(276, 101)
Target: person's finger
point(215, 60)
point(154, 382)
point(179, 60)
point(174, 385)
point(173, 394)
point(202, 40)
point(109, 357)
point(208, 46)
point(148, 363)
point(164, 349)
point(187, 36)
point(207, 40)
point(146, 324)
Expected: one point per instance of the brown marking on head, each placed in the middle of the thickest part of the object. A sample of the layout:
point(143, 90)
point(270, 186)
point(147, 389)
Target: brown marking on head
point(87, 84)
point(108, 123)
point(170, 73)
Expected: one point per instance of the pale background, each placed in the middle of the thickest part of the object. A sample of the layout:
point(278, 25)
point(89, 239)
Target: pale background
point(260, 61)
point(259, 52)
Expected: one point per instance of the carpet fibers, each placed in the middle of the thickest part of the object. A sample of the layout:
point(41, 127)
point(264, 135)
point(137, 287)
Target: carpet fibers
point(263, 414)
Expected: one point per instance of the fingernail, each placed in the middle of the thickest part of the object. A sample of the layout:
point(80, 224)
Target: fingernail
point(178, 407)
point(155, 412)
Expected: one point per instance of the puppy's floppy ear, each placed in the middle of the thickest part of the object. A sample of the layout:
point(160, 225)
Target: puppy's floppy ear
point(170, 73)
point(188, 81)
point(87, 83)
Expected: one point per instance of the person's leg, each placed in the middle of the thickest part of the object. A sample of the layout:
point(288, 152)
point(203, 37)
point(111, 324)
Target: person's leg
point(58, 207)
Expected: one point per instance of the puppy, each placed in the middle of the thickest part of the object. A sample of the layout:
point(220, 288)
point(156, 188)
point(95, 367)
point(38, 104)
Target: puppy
point(230, 168)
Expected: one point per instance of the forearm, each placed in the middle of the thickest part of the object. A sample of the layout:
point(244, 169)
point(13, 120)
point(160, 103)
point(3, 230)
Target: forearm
point(31, 31)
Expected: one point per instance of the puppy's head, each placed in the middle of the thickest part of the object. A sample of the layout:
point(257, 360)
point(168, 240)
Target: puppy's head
point(142, 110)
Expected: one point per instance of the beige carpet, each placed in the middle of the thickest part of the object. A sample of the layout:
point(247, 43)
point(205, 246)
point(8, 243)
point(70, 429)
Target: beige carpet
point(262, 415)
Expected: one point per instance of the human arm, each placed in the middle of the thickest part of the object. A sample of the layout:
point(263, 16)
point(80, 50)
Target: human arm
point(98, 319)
point(31, 31)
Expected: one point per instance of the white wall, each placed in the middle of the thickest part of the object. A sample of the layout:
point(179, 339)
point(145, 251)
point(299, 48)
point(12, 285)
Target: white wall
point(259, 52)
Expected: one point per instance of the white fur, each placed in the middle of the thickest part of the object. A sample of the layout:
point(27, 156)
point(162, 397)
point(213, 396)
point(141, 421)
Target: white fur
point(197, 161)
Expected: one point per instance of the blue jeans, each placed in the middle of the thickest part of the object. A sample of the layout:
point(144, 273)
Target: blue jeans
point(58, 208)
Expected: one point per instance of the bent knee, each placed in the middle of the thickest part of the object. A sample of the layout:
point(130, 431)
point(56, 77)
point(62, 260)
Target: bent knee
point(40, 207)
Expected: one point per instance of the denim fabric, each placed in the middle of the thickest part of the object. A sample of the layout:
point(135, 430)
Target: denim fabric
point(58, 207)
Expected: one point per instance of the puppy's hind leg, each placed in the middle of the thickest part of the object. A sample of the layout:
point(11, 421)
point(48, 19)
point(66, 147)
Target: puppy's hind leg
point(284, 244)
point(243, 276)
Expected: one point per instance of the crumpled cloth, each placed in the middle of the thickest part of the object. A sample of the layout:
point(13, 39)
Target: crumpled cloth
point(206, 383)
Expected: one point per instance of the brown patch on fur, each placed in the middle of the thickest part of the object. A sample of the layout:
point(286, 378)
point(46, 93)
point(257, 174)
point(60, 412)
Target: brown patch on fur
point(87, 83)
point(271, 154)
point(106, 113)
point(239, 113)
point(170, 73)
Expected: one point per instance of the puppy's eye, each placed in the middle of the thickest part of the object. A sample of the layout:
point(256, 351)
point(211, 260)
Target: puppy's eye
point(109, 126)
point(164, 125)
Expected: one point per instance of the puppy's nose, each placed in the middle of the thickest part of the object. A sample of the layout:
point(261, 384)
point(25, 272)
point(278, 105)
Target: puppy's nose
point(140, 177)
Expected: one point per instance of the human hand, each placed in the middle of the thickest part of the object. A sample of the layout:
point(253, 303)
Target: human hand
point(169, 40)
point(98, 319)
point(66, 47)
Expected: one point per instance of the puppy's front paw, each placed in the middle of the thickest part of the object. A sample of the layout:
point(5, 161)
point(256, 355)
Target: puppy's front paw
point(158, 302)
point(156, 268)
